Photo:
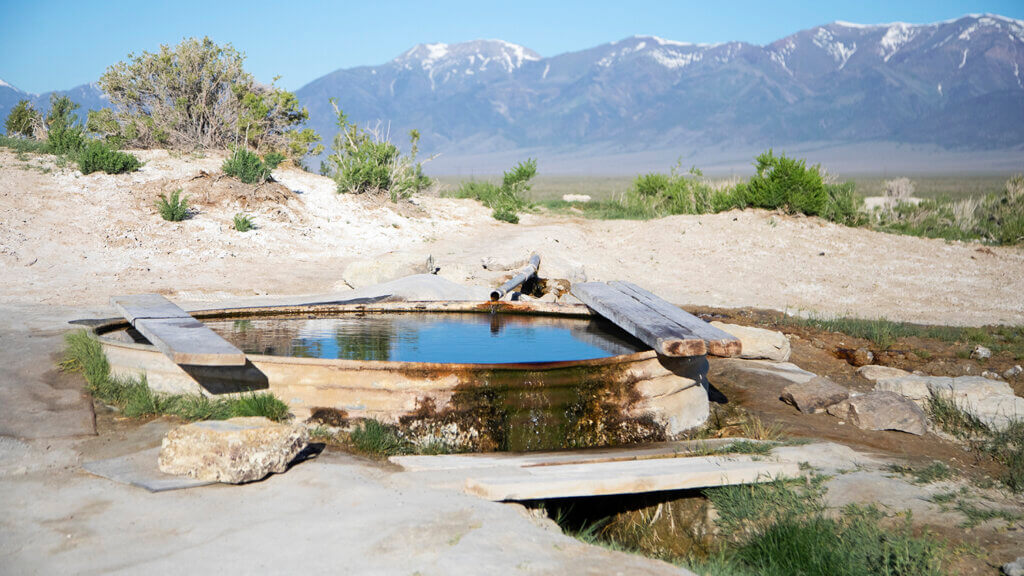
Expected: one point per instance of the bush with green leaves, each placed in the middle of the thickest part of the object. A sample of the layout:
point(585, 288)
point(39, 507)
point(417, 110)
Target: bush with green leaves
point(656, 194)
point(97, 156)
point(198, 95)
point(64, 133)
point(243, 223)
point(785, 183)
point(247, 167)
point(507, 200)
point(22, 120)
point(363, 162)
point(173, 208)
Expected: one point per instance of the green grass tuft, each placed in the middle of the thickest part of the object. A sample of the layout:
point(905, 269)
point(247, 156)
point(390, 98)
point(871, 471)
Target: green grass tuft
point(173, 209)
point(373, 437)
point(133, 396)
point(243, 223)
point(934, 472)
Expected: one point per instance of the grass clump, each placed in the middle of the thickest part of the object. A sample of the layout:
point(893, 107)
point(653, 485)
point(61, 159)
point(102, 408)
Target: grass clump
point(248, 167)
point(173, 208)
point(507, 200)
point(934, 472)
point(242, 222)
point(23, 145)
point(373, 437)
point(134, 398)
point(1005, 446)
point(97, 156)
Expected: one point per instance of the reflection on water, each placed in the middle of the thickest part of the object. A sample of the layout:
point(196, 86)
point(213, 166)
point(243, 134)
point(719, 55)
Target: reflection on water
point(425, 337)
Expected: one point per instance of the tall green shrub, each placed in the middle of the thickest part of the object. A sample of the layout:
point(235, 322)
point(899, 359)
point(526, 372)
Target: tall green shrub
point(507, 200)
point(246, 166)
point(22, 120)
point(64, 133)
point(786, 183)
point(198, 95)
point(363, 162)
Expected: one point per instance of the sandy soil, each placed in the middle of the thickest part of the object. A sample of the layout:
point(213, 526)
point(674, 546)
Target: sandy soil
point(73, 239)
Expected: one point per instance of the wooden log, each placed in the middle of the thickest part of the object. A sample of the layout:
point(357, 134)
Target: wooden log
point(719, 342)
point(664, 336)
point(189, 341)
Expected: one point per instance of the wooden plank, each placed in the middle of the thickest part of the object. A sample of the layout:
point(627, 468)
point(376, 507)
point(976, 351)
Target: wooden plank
point(664, 336)
point(576, 480)
point(138, 306)
point(189, 341)
point(719, 342)
point(684, 448)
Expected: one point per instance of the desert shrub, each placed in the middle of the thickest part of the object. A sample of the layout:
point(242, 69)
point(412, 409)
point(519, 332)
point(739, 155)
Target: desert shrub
point(23, 145)
point(97, 156)
point(64, 133)
point(786, 183)
point(198, 95)
point(246, 166)
point(657, 194)
point(273, 159)
point(173, 208)
point(362, 161)
point(243, 223)
point(844, 206)
point(507, 200)
point(22, 120)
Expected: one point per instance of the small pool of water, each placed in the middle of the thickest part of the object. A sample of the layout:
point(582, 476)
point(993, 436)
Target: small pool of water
point(425, 337)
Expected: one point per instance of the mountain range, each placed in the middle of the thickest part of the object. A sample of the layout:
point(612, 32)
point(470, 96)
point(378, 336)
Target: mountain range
point(956, 86)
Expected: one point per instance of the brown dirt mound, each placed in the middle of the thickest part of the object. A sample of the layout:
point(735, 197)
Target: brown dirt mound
point(207, 190)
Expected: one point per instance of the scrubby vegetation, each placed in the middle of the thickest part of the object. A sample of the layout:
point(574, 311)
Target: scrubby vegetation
point(506, 200)
point(774, 528)
point(364, 161)
point(243, 223)
point(134, 398)
point(197, 95)
point(173, 208)
point(1004, 446)
point(23, 120)
point(248, 167)
point(97, 156)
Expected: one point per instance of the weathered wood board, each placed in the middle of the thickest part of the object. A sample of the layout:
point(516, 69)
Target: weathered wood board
point(178, 335)
point(663, 335)
point(625, 477)
point(719, 342)
point(136, 306)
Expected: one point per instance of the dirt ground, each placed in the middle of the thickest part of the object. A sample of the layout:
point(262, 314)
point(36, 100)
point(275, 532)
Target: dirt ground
point(68, 242)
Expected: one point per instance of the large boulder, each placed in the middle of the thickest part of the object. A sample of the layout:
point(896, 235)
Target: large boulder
point(990, 401)
point(232, 451)
point(875, 372)
point(882, 411)
point(814, 395)
point(758, 343)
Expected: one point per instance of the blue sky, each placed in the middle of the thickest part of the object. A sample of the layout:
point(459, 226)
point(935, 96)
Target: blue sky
point(56, 45)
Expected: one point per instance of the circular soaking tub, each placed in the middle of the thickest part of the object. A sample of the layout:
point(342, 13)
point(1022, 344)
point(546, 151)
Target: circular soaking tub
point(489, 376)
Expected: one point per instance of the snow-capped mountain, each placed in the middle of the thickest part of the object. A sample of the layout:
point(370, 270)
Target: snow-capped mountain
point(957, 84)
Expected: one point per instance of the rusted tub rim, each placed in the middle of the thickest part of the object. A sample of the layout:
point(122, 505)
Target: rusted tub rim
point(524, 308)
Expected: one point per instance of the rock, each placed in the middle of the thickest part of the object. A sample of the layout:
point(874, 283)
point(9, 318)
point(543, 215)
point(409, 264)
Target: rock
point(882, 411)
point(990, 375)
point(828, 457)
point(1011, 372)
point(758, 343)
point(814, 395)
point(785, 371)
point(584, 198)
point(504, 263)
point(981, 353)
point(1015, 568)
point(875, 372)
point(363, 273)
point(991, 401)
point(233, 451)
point(555, 267)
point(858, 357)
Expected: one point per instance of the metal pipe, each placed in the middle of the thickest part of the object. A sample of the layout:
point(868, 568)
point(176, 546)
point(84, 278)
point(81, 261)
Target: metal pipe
point(524, 275)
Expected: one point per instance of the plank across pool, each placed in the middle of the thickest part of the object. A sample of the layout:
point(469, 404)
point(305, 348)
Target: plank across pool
point(177, 334)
